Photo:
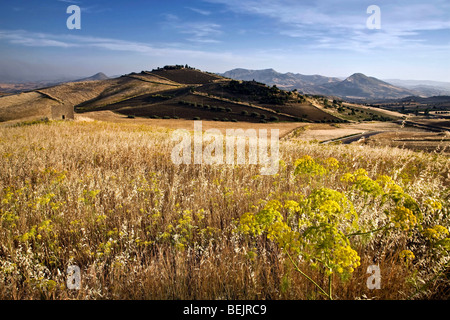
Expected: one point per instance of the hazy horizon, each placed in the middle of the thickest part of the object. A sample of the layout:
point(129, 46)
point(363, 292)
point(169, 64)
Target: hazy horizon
point(307, 37)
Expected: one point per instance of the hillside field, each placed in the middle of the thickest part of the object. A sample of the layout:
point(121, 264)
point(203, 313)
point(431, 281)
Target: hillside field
point(182, 93)
point(105, 197)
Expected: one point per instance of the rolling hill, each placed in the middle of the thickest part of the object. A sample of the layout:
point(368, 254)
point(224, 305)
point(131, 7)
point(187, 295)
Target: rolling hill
point(356, 87)
point(426, 88)
point(95, 77)
point(288, 81)
point(359, 86)
point(176, 92)
point(9, 88)
point(166, 93)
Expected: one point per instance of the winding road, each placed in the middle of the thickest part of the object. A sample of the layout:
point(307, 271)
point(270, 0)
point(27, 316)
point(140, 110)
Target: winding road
point(354, 138)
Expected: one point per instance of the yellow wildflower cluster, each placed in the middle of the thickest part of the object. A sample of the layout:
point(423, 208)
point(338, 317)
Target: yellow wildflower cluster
point(189, 229)
point(403, 218)
point(435, 234)
point(406, 213)
point(143, 243)
point(43, 235)
point(433, 204)
point(115, 233)
point(331, 207)
point(362, 182)
point(345, 259)
point(8, 197)
point(105, 249)
point(8, 219)
point(325, 244)
point(390, 187)
point(307, 165)
point(332, 163)
point(316, 234)
point(12, 195)
point(407, 256)
point(89, 196)
point(270, 221)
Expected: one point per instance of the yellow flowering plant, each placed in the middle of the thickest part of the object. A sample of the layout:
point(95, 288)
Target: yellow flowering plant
point(317, 229)
point(438, 237)
point(307, 165)
point(317, 235)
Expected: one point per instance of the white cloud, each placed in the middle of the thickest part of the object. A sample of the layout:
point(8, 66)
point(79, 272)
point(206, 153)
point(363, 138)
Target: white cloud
point(198, 31)
point(201, 31)
point(70, 1)
point(199, 11)
point(331, 23)
point(34, 39)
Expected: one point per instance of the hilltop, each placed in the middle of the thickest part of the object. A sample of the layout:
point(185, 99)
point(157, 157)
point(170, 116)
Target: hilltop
point(95, 77)
point(188, 93)
point(360, 86)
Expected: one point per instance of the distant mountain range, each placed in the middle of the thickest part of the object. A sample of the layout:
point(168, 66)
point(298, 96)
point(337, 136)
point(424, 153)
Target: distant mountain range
point(427, 88)
point(287, 81)
point(95, 77)
point(356, 87)
point(28, 86)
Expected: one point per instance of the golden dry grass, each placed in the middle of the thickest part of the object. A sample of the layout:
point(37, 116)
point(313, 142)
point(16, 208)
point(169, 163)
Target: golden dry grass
point(107, 198)
point(37, 104)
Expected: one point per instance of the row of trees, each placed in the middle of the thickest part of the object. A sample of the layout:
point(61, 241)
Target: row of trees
point(174, 67)
point(206, 106)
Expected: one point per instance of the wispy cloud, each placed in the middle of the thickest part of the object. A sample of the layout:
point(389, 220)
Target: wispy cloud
point(34, 39)
point(197, 31)
point(201, 31)
point(200, 11)
point(94, 9)
point(330, 24)
point(70, 1)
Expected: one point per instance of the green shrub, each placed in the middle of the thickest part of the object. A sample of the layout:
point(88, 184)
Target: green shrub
point(33, 122)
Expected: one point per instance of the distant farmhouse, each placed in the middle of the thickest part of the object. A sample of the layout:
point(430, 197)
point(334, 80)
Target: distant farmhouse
point(62, 112)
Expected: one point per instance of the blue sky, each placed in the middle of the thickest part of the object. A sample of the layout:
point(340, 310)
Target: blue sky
point(309, 37)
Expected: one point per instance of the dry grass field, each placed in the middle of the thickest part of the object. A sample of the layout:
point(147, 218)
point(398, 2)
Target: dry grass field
point(106, 197)
point(419, 141)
